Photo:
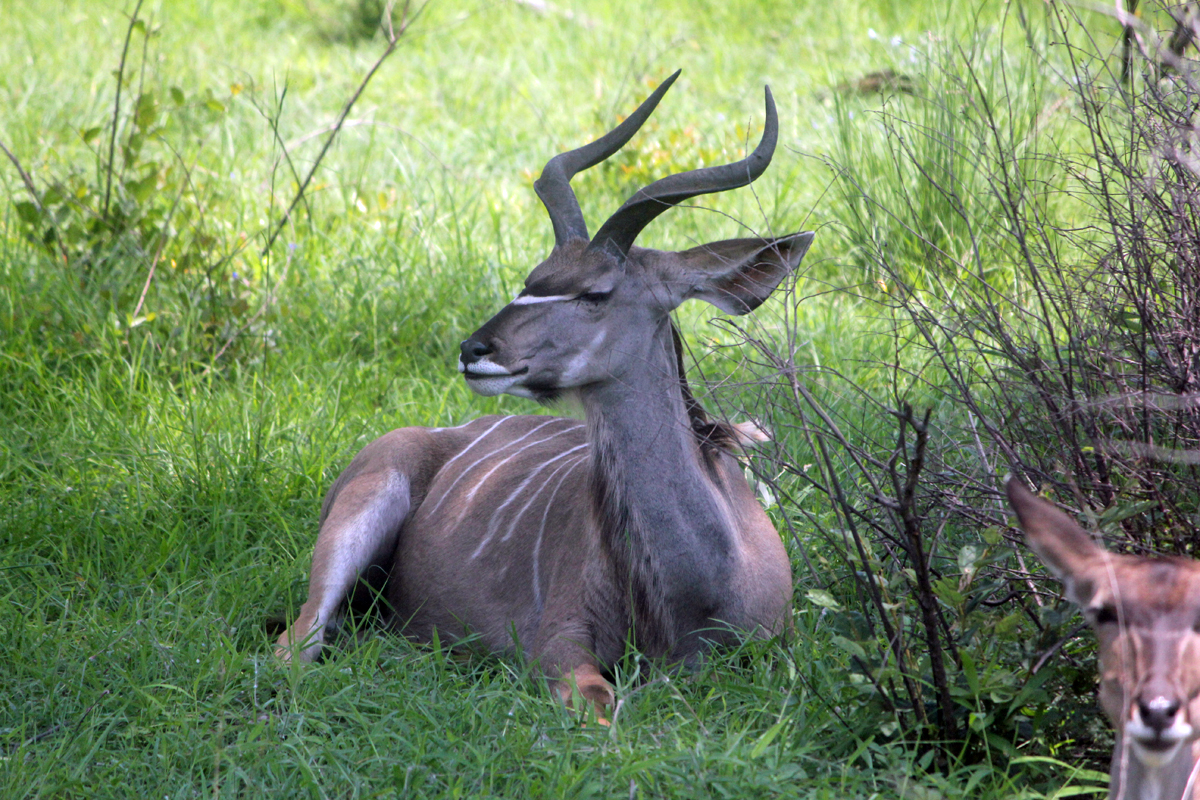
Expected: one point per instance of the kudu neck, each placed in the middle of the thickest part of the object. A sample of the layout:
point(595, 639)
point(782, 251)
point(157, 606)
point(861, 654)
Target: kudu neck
point(1133, 780)
point(642, 416)
point(647, 461)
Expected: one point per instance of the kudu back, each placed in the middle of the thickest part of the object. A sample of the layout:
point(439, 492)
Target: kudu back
point(572, 538)
point(1146, 615)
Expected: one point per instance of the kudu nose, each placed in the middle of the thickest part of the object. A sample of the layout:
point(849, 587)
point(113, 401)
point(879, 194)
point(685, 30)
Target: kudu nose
point(1159, 712)
point(473, 350)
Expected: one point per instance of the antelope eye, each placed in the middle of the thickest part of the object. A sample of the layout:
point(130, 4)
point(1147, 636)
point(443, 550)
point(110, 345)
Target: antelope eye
point(593, 297)
point(1105, 615)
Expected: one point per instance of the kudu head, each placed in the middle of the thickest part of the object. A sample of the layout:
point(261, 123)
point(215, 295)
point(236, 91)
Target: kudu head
point(588, 311)
point(1146, 615)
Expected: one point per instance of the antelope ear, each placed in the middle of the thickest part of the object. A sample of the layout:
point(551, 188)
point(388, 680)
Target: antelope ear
point(1064, 547)
point(737, 275)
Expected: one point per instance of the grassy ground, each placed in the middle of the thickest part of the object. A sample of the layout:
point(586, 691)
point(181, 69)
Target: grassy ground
point(157, 506)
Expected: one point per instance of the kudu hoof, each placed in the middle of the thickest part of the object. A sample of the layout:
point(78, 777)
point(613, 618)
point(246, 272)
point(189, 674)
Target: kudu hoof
point(303, 649)
point(587, 682)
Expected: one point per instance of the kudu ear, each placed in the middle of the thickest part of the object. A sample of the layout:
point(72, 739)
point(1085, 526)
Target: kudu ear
point(1064, 547)
point(737, 275)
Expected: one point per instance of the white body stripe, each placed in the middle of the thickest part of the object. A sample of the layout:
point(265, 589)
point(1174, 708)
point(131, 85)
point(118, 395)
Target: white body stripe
point(483, 457)
point(477, 440)
point(537, 544)
point(494, 523)
point(471, 494)
point(452, 428)
point(517, 517)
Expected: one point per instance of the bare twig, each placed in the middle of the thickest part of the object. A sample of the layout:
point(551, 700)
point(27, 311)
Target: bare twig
point(393, 41)
point(273, 122)
point(28, 181)
point(162, 239)
point(1054, 648)
point(112, 139)
point(37, 201)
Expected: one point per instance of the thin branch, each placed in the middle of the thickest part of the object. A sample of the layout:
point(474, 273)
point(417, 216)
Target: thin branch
point(28, 181)
point(393, 41)
point(162, 239)
point(112, 139)
point(37, 201)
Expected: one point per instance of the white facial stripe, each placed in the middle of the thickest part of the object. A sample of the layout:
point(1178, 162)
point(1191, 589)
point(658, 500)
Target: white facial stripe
point(579, 363)
point(530, 299)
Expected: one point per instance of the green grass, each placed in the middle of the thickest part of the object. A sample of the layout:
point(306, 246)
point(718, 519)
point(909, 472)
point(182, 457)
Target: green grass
point(157, 506)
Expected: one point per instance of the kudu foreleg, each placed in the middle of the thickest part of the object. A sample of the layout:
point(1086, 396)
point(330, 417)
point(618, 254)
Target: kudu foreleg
point(359, 531)
point(567, 657)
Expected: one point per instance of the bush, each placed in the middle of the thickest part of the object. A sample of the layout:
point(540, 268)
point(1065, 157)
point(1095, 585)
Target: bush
point(147, 219)
point(1034, 263)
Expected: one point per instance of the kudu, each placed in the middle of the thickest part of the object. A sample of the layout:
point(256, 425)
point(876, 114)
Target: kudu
point(572, 538)
point(1146, 614)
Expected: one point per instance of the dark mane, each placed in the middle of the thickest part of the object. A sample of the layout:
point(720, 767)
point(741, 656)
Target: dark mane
point(711, 434)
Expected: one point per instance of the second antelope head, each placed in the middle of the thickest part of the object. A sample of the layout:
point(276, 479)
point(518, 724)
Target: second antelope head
point(1146, 615)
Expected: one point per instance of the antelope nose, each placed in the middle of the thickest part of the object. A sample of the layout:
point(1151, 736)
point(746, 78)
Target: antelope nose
point(1158, 713)
point(473, 350)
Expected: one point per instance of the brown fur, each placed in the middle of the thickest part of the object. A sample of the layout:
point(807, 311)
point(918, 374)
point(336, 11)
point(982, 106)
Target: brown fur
point(563, 539)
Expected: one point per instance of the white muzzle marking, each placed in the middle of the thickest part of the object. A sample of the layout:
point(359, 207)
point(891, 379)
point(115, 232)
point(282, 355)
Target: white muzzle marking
point(487, 378)
point(1151, 747)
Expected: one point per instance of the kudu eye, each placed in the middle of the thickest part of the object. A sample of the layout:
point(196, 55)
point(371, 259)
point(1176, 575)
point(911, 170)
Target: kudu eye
point(594, 297)
point(1105, 615)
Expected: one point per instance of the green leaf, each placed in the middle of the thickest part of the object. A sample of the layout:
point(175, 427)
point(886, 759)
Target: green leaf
point(1031, 688)
point(1112, 516)
point(967, 556)
point(1006, 626)
point(144, 189)
point(970, 672)
point(765, 740)
point(947, 591)
point(979, 722)
point(90, 134)
point(1074, 791)
point(133, 147)
point(851, 647)
point(29, 213)
point(1076, 772)
point(177, 96)
point(146, 112)
point(823, 598)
